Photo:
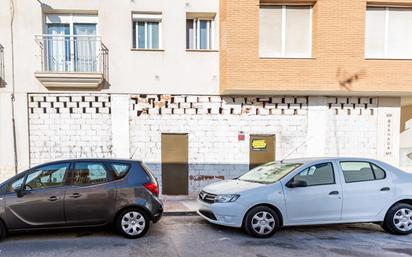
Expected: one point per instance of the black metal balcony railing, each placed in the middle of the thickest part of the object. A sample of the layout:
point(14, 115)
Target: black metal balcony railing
point(72, 54)
point(1, 64)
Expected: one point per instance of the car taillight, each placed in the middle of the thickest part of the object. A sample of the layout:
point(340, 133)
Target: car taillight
point(152, 187)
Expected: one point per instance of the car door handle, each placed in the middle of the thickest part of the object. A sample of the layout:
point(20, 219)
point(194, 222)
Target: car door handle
point(385, 189)
point(75, 195)
point(334, 193)
point(52, 198)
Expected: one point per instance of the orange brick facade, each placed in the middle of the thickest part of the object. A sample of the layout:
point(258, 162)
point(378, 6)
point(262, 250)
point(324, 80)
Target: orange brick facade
point(337, 66)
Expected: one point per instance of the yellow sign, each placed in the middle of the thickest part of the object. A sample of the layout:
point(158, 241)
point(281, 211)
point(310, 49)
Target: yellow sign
point(259, 144)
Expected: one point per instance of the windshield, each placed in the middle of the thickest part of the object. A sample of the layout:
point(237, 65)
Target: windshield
point(269, 173)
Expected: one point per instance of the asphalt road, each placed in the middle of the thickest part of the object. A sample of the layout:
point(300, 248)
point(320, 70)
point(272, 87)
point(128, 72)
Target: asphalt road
point(192, 237)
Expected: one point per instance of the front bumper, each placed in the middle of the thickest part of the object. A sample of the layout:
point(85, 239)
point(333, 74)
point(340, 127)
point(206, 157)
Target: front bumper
point(225, 214)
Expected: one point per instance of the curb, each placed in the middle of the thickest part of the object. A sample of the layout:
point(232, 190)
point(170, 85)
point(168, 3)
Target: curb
point(180, 213)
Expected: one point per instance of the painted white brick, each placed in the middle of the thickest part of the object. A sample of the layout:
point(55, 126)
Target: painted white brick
point(90, 110)
point(289, 100)
point(190, 111)
point(76, 98)
point(179, 99)
point(84, 104)
point(191, 99)
point(89, 98)
point(45, 104)
point(185, 105)
point(203, 99)
point(178, 111)
point(51, 99)
point(38, 98)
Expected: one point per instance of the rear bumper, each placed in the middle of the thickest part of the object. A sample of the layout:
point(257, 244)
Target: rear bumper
point(158, 211)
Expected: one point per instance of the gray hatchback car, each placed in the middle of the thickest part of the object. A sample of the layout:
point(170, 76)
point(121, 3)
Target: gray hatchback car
point(79, 193)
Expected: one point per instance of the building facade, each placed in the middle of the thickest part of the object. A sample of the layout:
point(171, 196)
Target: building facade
point(203, 90)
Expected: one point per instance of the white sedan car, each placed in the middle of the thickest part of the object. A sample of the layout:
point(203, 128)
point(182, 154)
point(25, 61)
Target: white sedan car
point(311, 191)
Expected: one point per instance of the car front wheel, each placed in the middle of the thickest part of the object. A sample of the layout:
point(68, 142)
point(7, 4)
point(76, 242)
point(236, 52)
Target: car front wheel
point(132, 223)
point(398, 219)
point(261, 222)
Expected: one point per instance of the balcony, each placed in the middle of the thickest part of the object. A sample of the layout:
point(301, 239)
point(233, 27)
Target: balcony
point(2, 74)
point(72, 61)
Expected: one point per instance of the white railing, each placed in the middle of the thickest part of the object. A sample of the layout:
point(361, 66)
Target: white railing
point(1, 65)
point(65, 53)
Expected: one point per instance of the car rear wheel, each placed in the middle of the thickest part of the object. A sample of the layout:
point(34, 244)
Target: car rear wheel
point(261, 222)
point(398, 219)
point(132, 223)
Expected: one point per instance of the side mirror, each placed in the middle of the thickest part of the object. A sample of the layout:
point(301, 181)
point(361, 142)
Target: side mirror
point(19, 191)
point(296, 183)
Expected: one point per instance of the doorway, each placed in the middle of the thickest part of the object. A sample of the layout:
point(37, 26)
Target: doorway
point(175, 169)
point(261, 150)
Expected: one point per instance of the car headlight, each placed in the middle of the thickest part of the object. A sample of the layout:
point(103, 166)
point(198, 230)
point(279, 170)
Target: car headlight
point(226, 198)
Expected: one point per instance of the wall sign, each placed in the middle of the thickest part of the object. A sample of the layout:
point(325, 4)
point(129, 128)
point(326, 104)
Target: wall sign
point(259, 144)
point(241, 136)
point(388, 135)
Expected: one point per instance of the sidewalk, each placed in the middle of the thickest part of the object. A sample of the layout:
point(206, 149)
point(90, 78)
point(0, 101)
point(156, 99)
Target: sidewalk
point(181, 205)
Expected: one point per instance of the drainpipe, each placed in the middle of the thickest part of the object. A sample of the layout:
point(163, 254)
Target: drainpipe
point(12, 98)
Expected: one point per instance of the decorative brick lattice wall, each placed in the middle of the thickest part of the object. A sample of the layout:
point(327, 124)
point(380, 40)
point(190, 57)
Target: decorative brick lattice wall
point(213, 124)
point(69, 126)
point(198, 105)
point(352, 126)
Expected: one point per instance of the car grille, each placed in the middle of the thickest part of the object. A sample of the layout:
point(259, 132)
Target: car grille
point(207, 197)
point(208, 214)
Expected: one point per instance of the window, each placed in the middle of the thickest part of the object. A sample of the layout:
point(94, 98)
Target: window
point(319, 174)
point(47, 176)
point(15, 184)
point(388, 32)
point(285, 31)
point(199, 33)
point(89, 173)
point(120, 169)
point(269, 173)
point(379, 173)
point(71, 43)
point(361, 171)
point(147, 31)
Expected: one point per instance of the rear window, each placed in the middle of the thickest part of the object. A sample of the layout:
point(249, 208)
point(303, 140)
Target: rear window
point(148, 172)
point(120, 169)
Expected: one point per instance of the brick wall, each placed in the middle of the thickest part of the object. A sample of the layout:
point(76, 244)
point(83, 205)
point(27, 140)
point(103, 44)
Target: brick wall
point(80, 125)
point(69, 126)
point(213, 124)
point(338, 64)
point(352, 126)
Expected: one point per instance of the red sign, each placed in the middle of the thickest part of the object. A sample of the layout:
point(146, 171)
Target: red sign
point(241, 136)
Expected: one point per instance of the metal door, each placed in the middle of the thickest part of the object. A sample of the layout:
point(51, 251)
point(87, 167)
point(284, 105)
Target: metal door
point(175, 168)
point(261, 150)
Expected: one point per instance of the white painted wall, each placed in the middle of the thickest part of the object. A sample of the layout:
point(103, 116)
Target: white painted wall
point(170, 71)
point(173, 70)
point(340, 126)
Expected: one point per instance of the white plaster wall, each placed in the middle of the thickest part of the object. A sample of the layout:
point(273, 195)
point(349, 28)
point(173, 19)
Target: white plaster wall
point(389, 116)
point(120, 125)
point(6, 138)
point(173, 70)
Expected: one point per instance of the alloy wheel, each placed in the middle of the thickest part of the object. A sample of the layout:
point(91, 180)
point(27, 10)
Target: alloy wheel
point(403, 219)
point(133, 223)
point(263, 223)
